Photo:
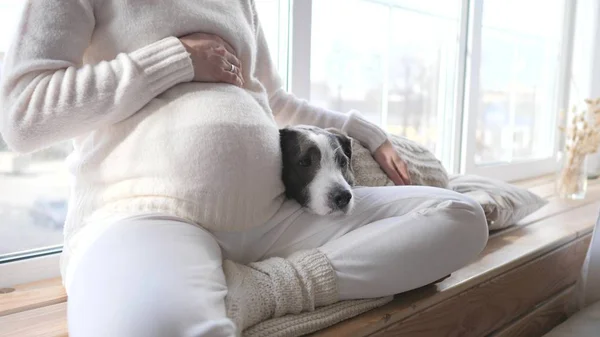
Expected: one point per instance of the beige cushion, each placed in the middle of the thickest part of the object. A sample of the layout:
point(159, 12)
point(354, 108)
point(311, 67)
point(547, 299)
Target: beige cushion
point(504, 204)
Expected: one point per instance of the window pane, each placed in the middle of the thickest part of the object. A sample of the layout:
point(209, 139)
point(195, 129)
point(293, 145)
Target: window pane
point(367, 56)
point(346, 57)
point(422, 76)
point(519, 80)
point(33, 188)
point(274, 16)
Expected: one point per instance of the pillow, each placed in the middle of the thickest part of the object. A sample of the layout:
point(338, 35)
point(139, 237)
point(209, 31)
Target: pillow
point(423, 167)
point(504, 204)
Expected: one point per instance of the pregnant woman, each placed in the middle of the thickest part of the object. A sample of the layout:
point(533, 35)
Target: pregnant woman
point(174, 109)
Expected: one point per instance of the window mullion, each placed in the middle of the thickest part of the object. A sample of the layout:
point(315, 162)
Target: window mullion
point(565, 64)
point(385, 88)
point(284, 19)
point(300, 51)
point(471, 90)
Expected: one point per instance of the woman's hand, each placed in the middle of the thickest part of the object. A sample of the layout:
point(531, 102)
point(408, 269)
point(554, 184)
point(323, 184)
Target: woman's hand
point(213, 59)
point(391, 163)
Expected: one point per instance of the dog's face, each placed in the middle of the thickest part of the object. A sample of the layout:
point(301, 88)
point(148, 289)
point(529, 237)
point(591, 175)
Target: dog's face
point(316, 169)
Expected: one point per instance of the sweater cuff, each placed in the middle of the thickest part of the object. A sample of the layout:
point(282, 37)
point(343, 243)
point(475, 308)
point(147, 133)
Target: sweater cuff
point(318, 276)
point(164, 63)
point(369, 134)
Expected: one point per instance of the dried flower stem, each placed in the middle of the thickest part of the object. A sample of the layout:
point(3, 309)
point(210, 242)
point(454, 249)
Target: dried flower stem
point(582, 138)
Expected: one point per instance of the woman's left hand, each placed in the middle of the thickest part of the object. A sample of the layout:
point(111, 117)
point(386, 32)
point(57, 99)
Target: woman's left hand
point(391, 163)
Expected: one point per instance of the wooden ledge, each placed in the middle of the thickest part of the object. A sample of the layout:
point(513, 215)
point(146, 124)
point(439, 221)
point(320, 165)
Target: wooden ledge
point(525, 272)
point(31, 296)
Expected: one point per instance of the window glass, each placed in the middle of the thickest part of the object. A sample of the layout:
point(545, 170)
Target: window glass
point(394, 61)
point(519, 80)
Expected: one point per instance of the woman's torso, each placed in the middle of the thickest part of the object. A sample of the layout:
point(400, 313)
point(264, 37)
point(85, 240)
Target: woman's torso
point(204, 151)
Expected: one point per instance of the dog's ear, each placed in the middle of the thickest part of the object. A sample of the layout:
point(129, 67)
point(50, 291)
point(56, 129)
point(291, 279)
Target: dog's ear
point(344, 140)
point(284, 133)
point(346, 145)
point(287, 140)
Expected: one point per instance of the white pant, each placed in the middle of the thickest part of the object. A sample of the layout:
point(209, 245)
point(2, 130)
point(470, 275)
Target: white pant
point(157, 275)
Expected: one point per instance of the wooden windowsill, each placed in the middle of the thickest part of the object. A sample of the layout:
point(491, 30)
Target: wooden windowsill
point(560, 230)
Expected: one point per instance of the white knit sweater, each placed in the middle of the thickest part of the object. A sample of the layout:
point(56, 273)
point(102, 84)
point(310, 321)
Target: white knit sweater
point(112, 76)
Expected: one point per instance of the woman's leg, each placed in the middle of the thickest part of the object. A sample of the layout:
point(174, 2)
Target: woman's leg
point(407, 250)
point(396, 239)
point(149, 276)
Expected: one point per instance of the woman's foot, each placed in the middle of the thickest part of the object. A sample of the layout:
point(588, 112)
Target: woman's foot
point(276, 287)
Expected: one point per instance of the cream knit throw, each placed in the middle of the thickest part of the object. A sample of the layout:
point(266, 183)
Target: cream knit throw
point(424, 168)
point(288, 297)
point(312, 321)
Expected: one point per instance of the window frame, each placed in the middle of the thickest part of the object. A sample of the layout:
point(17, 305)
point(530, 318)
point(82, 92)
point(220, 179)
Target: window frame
point(300, 48)
point(30, 269)
point(521, 169)
point(460, 155)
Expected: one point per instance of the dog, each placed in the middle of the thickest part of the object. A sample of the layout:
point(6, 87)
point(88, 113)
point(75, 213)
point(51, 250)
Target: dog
point(316, 169)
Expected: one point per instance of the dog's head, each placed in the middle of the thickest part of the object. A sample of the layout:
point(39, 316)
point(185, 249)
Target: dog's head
point(316, 169)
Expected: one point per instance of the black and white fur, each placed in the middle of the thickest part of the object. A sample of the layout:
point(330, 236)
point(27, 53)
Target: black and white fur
point(316, 169)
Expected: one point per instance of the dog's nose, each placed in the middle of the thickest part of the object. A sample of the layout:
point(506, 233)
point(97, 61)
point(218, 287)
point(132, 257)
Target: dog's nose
point(342, 198)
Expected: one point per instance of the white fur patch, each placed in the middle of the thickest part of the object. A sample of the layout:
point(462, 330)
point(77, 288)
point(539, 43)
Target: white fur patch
point(327, 178)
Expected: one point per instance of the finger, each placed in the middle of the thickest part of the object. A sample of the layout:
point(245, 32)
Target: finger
point(229, 77)
point(240, 80)
point(220, 50)
point(225, 44)
point(227, 66)
point(224, 74)
point(403, 170)
point(236, 71)
point(232, 59)
point(396, 163)
point(393, 174)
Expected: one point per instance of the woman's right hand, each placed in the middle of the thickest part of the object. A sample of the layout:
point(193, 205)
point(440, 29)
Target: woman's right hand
point(212, 59)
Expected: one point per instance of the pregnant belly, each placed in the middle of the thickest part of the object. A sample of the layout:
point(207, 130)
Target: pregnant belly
point(217, 142)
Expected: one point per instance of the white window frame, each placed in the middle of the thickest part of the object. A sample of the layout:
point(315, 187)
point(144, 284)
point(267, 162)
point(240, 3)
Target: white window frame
point(461, 157)
point(25, 269)
point(518, 169)
point(300, 48)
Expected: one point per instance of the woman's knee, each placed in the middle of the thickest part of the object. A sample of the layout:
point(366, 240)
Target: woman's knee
point(468, 225)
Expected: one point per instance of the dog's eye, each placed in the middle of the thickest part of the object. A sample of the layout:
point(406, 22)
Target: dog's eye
point(343, 161)
point(304, 162)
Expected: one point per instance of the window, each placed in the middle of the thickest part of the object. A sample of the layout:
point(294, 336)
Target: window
point(479, 82)
point(475, 81)
point(519, 77)
point(516, 87)
point(367, 55)
point(274, 15)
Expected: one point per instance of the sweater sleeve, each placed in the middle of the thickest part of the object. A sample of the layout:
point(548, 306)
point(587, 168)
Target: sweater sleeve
point(47, 95)
point(290, 110)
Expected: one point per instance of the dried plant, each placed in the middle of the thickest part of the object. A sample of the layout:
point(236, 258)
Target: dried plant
point(582, 137)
